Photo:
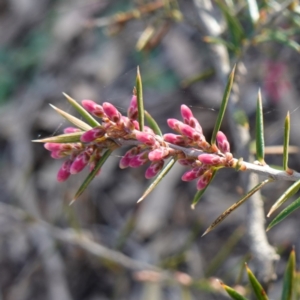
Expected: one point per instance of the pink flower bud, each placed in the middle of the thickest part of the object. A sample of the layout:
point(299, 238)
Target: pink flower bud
point(132, 112)
point(210, 159)
point(58, 146)
point(158, 154)
point(64, 172)
point(111, 112)
point(145, 138)
point(58, 154)
point(93, 108)
point(186, 114)
point(92, 134)
point(186, 162)
point(71, 130)
point(222, 142)
point(188, 131)
point(204, 180)
point(79, 163)
point(154, 168)
point(175, 139)
point(193, 122)
point(173, 124)
point(136, 125)
point(147, 129)
point(139, 160)
point(193, 174)
point(125, 160)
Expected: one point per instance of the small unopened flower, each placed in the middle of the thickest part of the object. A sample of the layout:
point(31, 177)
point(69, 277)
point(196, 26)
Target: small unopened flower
point(210, 159)
point(125, 160)
point(204, 180)
point(222, 142)
point(132, 112)
point(58, 154)
point(64, 172)
point(93, 108)
point(193, 174)
point(159, 154)
point(189, 119)
point(145, 138)
point(79, 163)
point(58, 146)
point(92, 134)
point(111, 112)
point(139, 160)
point(175, 139)
point(71, 130)
point(154, 168)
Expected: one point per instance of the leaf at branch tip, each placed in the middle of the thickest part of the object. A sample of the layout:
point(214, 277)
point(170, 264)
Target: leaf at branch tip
point(200, 193)
point(259, 130)
point(140, 101)
point(289, 278)
point(233, 207)
point(292, 190)
point(256, 286)
point(223, 106)
point(152, 124)
point(75, 121)
point(82, 111)
point(63, 138)
point(232, 293)
point(286, 141)
point(92, 175)
point(158, 179)
point(283, 214)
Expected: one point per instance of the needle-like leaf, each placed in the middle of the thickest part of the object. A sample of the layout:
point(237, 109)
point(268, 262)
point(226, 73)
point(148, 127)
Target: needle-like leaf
point(75, 121)
point(63, 138)
point(286, 141)
point(233, 207)
point(158, 179)
point(283, 214)
point(152, 124)
point(292, 190)
point(256, 286)
point(259, 130)
point(232, 293)
point(289, 276)
point(92, 175)
point(82, 111)
point(140, 101)
point(223, 106)
point(200, 193)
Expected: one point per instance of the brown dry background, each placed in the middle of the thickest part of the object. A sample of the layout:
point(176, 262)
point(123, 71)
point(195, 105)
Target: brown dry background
point(45, 50)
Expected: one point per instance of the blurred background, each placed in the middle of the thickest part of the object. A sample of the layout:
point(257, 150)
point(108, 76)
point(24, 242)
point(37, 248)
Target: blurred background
point(105, 246)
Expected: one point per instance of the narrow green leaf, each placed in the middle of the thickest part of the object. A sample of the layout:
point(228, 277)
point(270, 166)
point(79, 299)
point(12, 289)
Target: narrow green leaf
point(82, 111)
point(158, 179)
point(199, 193)
point(259, 130)
point(289, 276)
point(152, 124)
point(253, 11)
point(75, 121)
point(291, 191)
point(283, 214)
point(223, 106)
point(233, 207)
point(232, 293)
point(220, 41)
point(62, 138)
point(234, 26)
point(277, 36)
point(286, 141)
point(92, 175)
point(140, 101)
point(256, 286)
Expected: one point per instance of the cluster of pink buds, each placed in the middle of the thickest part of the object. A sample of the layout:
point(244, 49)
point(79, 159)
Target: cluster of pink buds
point(147, 147)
